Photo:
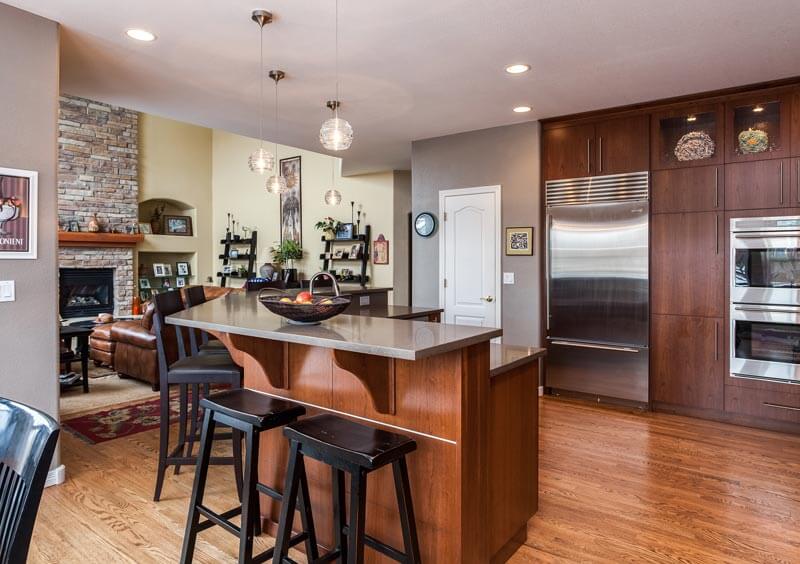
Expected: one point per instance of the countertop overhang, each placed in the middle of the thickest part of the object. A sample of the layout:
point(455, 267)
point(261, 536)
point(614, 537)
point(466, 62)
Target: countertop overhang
point(242, 314)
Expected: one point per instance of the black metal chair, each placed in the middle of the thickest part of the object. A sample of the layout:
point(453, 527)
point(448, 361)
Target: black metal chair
point(176, 368)
point(358, 450)
point(250, 412)
point(27, 441)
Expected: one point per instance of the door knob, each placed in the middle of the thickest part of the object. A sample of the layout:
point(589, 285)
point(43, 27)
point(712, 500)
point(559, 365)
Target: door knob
point(488, 299)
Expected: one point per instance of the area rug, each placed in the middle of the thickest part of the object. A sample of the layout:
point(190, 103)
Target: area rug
point(124, 421)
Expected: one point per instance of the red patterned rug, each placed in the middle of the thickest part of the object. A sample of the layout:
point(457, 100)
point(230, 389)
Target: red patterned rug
point(123, 421)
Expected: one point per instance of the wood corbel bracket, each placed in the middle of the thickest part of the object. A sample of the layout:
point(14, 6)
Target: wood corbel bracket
point(271, 356)
point(377, 375)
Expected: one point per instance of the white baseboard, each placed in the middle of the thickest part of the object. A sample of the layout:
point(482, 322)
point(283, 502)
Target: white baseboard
point(56, 476)
point(541, 391)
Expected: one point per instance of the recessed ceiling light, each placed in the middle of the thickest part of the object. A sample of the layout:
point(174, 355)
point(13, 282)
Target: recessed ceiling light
point(141, 35)
point(517, 69)
point(522, 109)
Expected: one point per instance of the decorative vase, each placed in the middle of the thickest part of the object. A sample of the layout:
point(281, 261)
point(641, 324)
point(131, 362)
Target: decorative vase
point(155, 226)
point(330, 235)
point(93, 226)
point(267, 271)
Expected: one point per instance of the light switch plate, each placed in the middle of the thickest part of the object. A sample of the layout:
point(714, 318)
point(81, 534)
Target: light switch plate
point(6, 290)
point(508, 278)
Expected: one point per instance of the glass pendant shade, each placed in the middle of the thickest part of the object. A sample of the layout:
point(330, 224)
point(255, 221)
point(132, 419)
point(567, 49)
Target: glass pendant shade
point(333, 197)
point(336, 134)
point(276, 184)
point(261, 161)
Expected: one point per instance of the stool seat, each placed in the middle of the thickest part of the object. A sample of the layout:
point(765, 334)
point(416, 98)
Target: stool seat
point(254, 408)
point(213, 347)
point(352, 442)
point(196, 369)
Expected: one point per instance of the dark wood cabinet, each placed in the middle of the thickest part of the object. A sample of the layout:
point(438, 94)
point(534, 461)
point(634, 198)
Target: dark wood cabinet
point(758, 126)
point(686, 361)
point(623, 145)
point(759, 184)
point(567, 152)
point(687, 261)
point(794, 184)
point(796, 123)
point(688, 189)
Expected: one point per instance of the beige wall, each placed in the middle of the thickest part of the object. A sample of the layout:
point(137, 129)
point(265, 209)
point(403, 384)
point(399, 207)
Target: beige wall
point(175, 164)
point(237, 190)
point(28, 114)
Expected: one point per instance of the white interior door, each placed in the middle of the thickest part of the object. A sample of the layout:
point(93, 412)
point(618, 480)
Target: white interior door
point(470, 256)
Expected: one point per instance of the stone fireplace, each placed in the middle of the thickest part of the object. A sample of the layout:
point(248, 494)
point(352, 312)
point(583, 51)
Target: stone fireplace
point(85, 292)
point(98, 176)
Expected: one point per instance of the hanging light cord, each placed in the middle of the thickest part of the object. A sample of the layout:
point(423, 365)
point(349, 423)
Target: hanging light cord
point(275, 133)
point(336, 51)
point(261, 95)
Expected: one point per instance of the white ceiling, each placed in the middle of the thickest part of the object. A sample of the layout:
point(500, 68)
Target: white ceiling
point(413, 69)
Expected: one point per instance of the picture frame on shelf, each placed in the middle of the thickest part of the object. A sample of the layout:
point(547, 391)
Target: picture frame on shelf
point(18, 213)
point(144, 283)
point(180, 282)
point(345, 231)
point(355, 251)
point(519, 241)
point(338, 253)
point(180, 225)
point(182, 268)
point(226, 269)
point(73, 226)
point(166, 283)
point(145, 228)
point(158, 270)
point(233, 253)
point(167, 269)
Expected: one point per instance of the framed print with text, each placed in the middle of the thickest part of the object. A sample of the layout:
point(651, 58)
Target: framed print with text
point(18, 213)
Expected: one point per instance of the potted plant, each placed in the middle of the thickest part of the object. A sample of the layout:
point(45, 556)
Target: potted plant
point(328, 226)
point(287, 252)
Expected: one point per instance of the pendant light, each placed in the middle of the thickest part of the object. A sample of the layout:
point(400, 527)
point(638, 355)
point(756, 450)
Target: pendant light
point(276, 184)
point(336, 134)
point(333, 197)
point(261, 161)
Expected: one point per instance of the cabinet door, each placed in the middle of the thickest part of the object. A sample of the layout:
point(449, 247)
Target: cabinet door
point(794, 185)
point(687, 264)
point(686, 361)
point(568, 152)
point(688, 189)
point(796, 123)
point(758, 126)
point(687, 136)
point(623, 145)
point(758, 184)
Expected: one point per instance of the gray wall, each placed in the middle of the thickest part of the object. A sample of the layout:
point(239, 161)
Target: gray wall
point(508, 156)
point(402, 206)
point(28, 110)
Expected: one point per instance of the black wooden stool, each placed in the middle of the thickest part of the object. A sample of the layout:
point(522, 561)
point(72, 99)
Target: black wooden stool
point(251, 413)
point(358, 450)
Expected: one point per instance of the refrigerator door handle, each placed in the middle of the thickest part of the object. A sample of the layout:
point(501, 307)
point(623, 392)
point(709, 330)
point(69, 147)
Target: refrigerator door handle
point(594, 346)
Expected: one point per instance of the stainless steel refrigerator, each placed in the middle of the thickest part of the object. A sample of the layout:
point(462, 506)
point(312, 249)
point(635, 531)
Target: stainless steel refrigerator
point(598, 286)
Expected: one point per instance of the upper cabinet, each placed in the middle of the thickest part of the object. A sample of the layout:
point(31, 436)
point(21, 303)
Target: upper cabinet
point(758, 127)
point(796, 123)
point(613, 146)
point(687, 136)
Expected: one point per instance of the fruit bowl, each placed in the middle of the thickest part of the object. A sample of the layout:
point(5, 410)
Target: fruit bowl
point(312, 312)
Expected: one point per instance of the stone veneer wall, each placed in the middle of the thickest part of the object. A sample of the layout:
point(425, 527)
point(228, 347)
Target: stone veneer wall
point(98, 161)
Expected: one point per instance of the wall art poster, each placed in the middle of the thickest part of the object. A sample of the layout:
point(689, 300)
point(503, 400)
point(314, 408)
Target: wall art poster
point(18, 191)
point(291, 201)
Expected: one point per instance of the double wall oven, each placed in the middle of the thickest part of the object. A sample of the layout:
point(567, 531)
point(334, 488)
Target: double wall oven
point(765, 298)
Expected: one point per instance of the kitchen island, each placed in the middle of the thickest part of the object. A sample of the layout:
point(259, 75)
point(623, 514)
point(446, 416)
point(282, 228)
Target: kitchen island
point(473, 475)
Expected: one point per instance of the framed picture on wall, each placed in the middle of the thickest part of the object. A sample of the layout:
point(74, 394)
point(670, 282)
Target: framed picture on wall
point(178, 225)
point(182, 268)
point(291, 201)
point(180, 282)
point(380, 250)
point(519, 241)
point(158, 270)
point(18, 213)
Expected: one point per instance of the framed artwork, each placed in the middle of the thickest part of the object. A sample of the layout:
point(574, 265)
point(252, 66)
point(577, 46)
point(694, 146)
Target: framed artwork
point(233, 253)
point(145, 228)
point(227, 269)
point(182, 268)
point(178, 225)
point(345, 231)
point(18, 213)
point(167, 270)
point(291, 201)
point(380, 250)
point(166, 284)
point(144, 283)
point(158, 270)
point(338, 253)
point(180, 282)
point(519, 241)
point(73, 226)
point(355, 251)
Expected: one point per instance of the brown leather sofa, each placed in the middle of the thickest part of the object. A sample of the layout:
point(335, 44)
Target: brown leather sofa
point(102, 346)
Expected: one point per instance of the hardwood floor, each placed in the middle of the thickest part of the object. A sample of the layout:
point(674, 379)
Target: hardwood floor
point(614, 487)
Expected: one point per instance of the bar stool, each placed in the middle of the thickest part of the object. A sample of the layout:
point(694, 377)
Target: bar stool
point(251, 413)
point(187, 371)
point(358, 450)
point(195, 295)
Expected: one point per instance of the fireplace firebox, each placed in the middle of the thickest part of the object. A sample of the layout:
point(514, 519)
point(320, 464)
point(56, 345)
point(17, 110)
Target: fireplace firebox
point(85, 292)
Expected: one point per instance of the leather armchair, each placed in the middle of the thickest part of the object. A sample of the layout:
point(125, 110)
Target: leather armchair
point(135, 355)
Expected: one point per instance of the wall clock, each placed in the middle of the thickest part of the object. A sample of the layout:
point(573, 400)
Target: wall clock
point(425, 224)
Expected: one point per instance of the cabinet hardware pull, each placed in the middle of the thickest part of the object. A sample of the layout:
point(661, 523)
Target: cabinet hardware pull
point(716, 233)
point(779, 406)
point(716, 340)
point(781, 163)
point(798, 180)
point(588, 156)
point(716, 187)
point(591, 346)
point(600, 152)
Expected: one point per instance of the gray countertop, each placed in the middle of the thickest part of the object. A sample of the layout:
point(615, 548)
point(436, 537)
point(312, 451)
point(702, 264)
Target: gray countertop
point(503, 358)
point(394, 338)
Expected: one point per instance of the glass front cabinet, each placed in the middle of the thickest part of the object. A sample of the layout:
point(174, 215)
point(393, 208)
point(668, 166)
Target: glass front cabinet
point(758, 127)
point(687, 136)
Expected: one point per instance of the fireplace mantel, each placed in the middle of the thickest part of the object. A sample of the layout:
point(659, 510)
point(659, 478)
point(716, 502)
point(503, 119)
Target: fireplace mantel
point(84, 239)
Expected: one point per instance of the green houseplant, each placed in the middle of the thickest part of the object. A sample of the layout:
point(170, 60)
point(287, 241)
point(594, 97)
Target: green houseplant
point(328, 226)
point(287, 252)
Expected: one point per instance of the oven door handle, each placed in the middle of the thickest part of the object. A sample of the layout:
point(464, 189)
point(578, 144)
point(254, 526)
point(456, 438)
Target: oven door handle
point(767, 235)
point(764, 310)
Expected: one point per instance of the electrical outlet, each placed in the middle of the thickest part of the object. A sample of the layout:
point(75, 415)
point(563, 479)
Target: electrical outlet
point(508, 278)
point(6, 290)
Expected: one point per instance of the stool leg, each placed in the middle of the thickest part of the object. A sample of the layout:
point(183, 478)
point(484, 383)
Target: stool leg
point(406, 506)
point(248, 497)
point(339, 514)
point(163, 441)
point(182, 420)
point(358, 509)
point(288, 504)
point(306, 515)
point(193, 417)
point(236, 437)
point(198, 491)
